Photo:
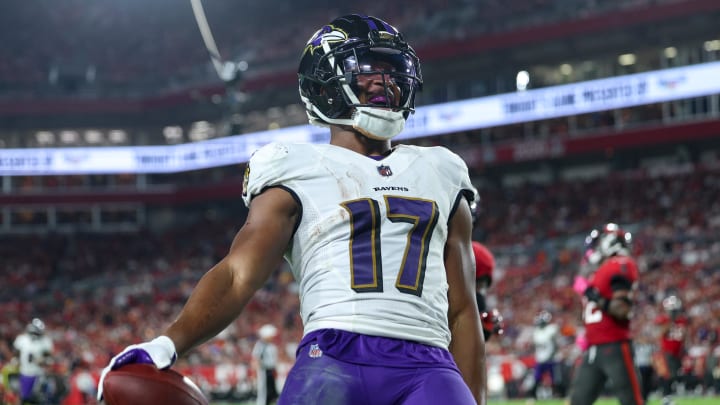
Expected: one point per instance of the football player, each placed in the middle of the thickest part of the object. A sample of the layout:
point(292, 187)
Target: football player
point(34, 350)
point(544, 339)
point(673, 330)
point(378, 239)
point(492, 321)
point(607, 310)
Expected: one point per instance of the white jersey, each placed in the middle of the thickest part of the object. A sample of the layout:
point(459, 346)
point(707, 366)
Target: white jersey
point(33, 350)
point(545, 343)
point(368, 250)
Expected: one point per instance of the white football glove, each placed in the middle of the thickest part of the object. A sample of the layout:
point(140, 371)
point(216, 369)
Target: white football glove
point(159, 351)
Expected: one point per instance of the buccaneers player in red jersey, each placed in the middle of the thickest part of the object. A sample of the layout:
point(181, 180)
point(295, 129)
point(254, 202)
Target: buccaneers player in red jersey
point(673, 330)
point(608, 302)
point(492, 321)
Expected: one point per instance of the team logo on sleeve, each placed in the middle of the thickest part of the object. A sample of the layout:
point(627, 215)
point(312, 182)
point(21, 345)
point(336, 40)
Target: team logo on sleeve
point(246, 180)
point(384, 171)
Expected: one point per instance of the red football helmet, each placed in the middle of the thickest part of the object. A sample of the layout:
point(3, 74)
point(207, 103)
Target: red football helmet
point(484, 262)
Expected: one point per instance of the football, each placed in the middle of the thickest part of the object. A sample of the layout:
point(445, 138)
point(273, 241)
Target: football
point(144, 384)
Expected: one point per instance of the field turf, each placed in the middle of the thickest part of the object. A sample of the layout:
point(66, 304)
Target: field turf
point(603, 401)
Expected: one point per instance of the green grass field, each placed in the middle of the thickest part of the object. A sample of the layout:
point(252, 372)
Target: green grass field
point(603, 401)
point(612, 401)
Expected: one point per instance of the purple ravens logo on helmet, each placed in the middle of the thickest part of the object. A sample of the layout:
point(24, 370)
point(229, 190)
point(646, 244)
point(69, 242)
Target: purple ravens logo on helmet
point(327, 34)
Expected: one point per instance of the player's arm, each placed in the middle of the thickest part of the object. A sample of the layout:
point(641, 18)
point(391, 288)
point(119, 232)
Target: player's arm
point(225, 289)
point(663, 325)
point(467, 344)
point(621, 303)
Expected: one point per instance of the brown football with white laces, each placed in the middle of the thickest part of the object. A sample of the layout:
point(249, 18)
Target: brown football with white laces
point(145, 384)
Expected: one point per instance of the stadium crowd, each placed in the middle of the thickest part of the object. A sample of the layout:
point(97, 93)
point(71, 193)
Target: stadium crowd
point(98, 293)
point(98, 43)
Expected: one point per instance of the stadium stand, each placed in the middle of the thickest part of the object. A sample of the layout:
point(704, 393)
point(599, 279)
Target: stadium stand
point(104, 259)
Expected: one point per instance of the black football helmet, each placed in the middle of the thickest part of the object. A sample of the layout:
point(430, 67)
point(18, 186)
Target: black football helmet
point(610, 240)
point(348, 47)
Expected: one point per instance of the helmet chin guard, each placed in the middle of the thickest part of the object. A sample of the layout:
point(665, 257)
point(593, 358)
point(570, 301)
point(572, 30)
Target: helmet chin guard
point(375, 123)
point(378, 124)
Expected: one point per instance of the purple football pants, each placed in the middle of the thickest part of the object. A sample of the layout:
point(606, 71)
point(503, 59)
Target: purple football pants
point(542, 368)
point(26, 386)
point(336, 367)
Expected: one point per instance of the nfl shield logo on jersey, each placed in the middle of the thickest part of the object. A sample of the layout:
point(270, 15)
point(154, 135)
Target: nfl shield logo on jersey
point(315, 351)
point(384, 170)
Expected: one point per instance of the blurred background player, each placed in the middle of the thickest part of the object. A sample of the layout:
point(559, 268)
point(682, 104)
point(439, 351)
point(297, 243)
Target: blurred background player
point(545, 335)
point(672, 332)
point(607, 309)
point(644, 349)
point(492, 320)
point(34, 349)
point(395, 307)
point(265, 358)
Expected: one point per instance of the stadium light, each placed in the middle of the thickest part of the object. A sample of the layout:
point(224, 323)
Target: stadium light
point(69, 136)
point(173, 134)
point(627, 59)
point(670, 52)
point(93, 136)
point(522, 80)
point(118, 136)
point(201, 130)
point(713, 45)
point(44, 137)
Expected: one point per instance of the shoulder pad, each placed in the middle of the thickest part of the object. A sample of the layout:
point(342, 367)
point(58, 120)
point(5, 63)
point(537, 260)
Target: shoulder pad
point(264, 169)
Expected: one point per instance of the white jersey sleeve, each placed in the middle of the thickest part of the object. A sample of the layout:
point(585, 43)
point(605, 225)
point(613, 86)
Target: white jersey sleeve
point(266, 168)
point(368, 251)
point(455, 170)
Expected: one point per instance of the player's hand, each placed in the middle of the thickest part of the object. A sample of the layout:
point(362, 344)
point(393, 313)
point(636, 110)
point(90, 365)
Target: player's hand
point(492, 323)
point(593, 294)
point(159, 351)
